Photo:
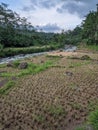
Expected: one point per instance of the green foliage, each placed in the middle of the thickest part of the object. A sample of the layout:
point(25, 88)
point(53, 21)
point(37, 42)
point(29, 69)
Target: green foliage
point(93, 119)
point(1, 47)
point(73, 37)
point(90, 28)
point(7, 87)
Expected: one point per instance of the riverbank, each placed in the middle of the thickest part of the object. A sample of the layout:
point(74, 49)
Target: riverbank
point(7, 52)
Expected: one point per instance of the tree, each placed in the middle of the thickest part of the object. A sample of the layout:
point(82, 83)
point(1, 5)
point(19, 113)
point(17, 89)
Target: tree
point(90, 27)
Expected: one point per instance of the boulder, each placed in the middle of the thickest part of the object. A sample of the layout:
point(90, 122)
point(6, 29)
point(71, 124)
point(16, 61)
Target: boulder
point(42, 61)
point(10, 64)
point(85, 57)
point(23, 65)
point(69, 73)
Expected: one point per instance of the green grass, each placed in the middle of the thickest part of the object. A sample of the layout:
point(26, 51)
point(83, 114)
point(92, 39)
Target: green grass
point(81, 128)
point(7, 87)
point(92, 47)
point(93, 119)
point(34, 69)
point(56, 110)
point(39, 118)
point(93, 105)
point(2, 65)
point(16, 63)
point(31, 69)
point(75, 105)
point(76, 64)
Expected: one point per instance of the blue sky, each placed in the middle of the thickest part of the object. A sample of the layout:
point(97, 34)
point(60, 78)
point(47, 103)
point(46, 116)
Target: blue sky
point(53, 15)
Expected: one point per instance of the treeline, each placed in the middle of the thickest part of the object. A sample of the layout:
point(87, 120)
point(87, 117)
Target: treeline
point(90, 28)
point(18, 32)
point(87, 32)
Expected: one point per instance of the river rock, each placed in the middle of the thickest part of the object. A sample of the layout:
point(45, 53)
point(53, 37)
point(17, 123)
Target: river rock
point(23, 65)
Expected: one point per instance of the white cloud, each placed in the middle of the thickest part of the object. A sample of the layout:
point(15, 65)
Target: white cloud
point(44, 16)
point(66, 14)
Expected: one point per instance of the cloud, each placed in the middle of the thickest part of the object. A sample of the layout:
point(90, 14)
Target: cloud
point(49, 28)
point(81, 7)
point(53, 15)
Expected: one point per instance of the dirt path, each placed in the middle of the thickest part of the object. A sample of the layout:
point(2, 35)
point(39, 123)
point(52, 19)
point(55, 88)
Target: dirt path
point(59, 98)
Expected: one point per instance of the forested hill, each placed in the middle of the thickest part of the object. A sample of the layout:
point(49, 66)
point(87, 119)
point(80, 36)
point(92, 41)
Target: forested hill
point(18, 32)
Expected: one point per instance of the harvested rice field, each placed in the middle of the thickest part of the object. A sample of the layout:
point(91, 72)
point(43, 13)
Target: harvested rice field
point(54, 92)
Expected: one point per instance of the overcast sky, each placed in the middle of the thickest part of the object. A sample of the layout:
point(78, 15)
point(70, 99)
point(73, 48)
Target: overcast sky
point(53, 15)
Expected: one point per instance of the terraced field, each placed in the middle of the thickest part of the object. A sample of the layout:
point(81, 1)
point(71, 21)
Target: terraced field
point(58, 98)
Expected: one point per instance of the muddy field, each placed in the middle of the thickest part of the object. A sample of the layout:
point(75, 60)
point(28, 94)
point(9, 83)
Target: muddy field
point(58, 98)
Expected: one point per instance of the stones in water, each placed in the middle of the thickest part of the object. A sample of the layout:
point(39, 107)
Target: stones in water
point(23, 65)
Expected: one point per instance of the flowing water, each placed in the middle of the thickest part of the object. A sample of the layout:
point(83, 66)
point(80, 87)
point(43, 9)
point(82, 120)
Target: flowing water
point(67, 48)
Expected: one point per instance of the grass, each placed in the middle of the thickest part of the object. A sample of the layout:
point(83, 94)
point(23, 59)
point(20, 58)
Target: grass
point(93, 119)
point(56, 110)
point(16, 63)
point(54, 57)
point(92, 47)
point(75, 105)
point(93, 105)
point(2, 65)
point(81, 128)
point(76, 64)
point(7, 87)
point(73, 86)
point(32, 69)
point(39, 118)
point(88, 47)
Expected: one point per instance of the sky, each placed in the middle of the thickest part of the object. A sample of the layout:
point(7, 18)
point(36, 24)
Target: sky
point(53, 15)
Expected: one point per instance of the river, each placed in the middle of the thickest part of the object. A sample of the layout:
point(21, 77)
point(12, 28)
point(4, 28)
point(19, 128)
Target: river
point(68, 48)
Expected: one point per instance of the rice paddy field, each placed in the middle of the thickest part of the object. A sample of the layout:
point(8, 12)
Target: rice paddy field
point(55, 92)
